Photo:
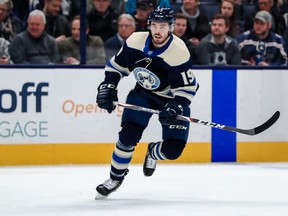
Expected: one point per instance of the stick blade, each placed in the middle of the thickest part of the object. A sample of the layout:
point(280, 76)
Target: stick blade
point(267, 124)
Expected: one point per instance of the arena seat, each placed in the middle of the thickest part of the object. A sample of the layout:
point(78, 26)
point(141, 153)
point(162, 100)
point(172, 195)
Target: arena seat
point(210, 10)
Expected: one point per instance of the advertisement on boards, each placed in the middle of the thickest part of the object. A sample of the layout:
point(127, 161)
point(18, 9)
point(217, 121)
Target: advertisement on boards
point(59, 106)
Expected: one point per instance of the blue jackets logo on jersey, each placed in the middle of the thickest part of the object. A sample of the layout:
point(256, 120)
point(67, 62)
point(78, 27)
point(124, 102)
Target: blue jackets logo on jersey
point(146, 78)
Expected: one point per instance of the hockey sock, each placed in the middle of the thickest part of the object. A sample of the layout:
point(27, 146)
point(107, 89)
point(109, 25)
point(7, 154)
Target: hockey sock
point(156, 153)
point(121, 158)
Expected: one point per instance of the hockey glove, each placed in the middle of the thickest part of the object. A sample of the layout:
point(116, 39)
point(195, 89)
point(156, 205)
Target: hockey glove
point(169, 113)
point(107, 94)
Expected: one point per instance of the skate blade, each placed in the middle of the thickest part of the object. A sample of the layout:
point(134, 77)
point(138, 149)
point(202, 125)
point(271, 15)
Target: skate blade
point(100, 196)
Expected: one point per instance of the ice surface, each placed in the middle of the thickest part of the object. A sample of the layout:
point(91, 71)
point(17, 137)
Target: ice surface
point(192, 190)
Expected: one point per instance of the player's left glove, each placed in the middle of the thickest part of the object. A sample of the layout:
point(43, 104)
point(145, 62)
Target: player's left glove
point(169, 113)
point(107, 94)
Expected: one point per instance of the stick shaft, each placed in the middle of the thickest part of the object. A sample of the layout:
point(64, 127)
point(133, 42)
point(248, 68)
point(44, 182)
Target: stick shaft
point(252, 131)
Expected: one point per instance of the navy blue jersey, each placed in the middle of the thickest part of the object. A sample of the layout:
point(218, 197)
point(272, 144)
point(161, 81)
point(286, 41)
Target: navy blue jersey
point(271, 49)
point(165, 71)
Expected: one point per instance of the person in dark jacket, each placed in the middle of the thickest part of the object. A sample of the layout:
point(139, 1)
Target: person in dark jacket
point(198, 22)
point(285, 37)
point(22, 8)
point(34, 46)
point(126, 26)
point(143, 9)
point(10, 25)
point(277, 24)
point(261, 46)
point(56, 24)
point(102, 19)
point(217, 48)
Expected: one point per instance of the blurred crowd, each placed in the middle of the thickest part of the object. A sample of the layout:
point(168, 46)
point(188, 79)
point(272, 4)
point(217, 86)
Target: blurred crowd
point(216, 32)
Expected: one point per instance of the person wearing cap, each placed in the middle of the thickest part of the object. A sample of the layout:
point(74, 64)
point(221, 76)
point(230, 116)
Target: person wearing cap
point(130, 6)
point(261, 46)
point(164, 80)
point(278, 23)
point(143, 9)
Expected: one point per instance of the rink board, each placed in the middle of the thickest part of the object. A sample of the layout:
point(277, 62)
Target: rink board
point(49, 116)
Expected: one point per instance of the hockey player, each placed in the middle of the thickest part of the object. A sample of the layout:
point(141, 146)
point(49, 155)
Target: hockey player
point(161, 64)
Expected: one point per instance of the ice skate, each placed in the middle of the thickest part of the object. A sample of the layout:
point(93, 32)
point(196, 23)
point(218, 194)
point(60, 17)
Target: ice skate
point(149, 165)
point(109, 186)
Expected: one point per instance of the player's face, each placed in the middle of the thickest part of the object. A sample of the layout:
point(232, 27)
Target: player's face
point(218, 27)
point(261, 28)
point(160, 33)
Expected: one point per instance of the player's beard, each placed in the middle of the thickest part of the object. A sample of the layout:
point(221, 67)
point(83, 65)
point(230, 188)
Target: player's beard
point(159, 42)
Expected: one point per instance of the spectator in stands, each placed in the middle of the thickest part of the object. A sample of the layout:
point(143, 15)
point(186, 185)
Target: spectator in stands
point(70, 8)
point(228, 9)
point(34, 46)
point(102, 19)
point(198, 21)
point(180, 28)
point(278, 22)
point(4, 53)
point(117, 5)
point(217, 48)
point(10, 25)
point(131, 5)
point(126, 26)
point(56, 25)
point(69, 48)
point(285, 37)
point(143, 9)
point(21, 9)
point(261, 46)
point(285, 15)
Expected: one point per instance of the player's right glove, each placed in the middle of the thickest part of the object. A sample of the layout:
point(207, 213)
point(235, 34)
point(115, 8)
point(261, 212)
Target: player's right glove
point(169, 113)
point(107, 94)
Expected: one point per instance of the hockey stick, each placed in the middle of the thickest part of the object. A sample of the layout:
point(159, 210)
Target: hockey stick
point(251, 132)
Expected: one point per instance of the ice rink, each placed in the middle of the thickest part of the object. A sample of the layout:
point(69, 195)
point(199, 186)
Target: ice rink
point(192, 190)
